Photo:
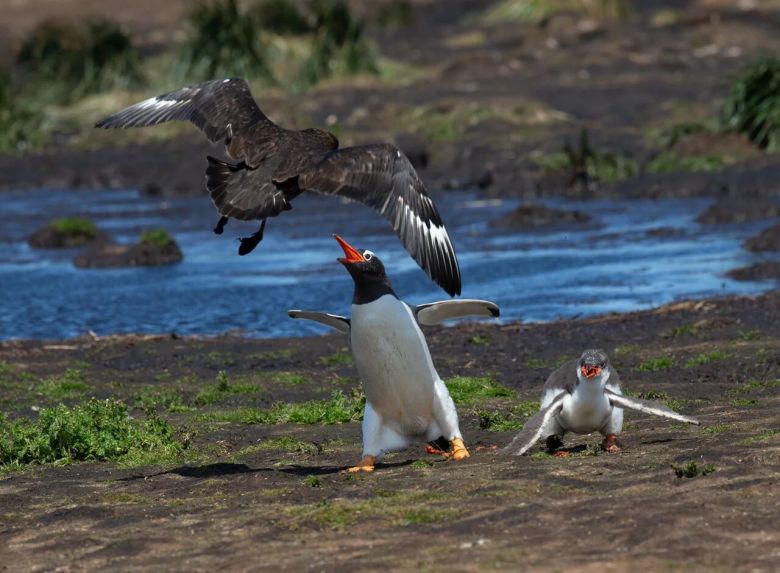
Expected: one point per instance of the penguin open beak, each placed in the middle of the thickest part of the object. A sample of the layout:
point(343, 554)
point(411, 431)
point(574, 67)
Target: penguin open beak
point(589, 370)
point(353, 256)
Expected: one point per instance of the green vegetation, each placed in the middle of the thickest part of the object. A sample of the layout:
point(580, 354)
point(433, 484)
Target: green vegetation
point(670, 161)
point(76, 61)
point(497, 421)
point(279, 17)
point(655, 364)
point(75, 227)
point(339, 409)
point(170, 399)
point(744, 402)
point(21, 126)
point(691, 469)
point(584, 164)
point(156, 237)
point(69, 385)
point(222, 389)
point(753, 104)
point(478, 340)
point(96, 430)
point(538, 11)
point(749, 335)
point(340, 358)
point(286, 444)
point(291, 379)
point(682, 330)
point(338, 44)
point(716, 429)
point(754, 385)
point(421, 464)
point(312, 481)
point(223, 43)
point(763, 436)
point(706, 358)
point(467, 390)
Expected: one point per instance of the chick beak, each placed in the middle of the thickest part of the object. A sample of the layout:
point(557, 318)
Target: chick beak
point(352, 255)
point(589, 370)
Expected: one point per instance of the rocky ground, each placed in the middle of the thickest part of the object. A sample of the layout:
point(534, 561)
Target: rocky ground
point(253, 496)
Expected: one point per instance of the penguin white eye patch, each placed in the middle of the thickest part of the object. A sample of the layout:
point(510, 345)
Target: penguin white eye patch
point(368, 255)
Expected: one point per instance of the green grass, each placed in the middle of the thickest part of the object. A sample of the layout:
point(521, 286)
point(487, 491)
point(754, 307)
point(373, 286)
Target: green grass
point(5, 369)
point(671, 162)
point(223, 42)
point(753, 104)
point(512, 421)
point(291, 379)
point(70, 385)
point(171, 399)
point(754, 385)
point(75, 226)
point(73, 61)
point(478, 340)
point(311, 481)
point(340, 358)
point(538, 11)
point(692, 469)
point(744, 402)
point(279, 17)
point(339, 409)
point(716, 429)
point(97, 430)
point(535, 363)
point(286, 444)
point(467, 390)
point(222, 389)
point(656, 364)
point(156, 237)
point(749, 335)
point(682, 330)
point(763, 436)
point(421, 464)
point(706, 358)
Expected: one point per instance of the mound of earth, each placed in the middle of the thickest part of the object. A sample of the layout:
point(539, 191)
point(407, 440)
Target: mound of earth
point(757, 272)
point(766, 240)
point(138, 255)
point(56, 235)
point(738, 210)
point(529, 215)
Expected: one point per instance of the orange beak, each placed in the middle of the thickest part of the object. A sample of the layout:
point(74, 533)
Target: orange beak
point(353, 256)
point(590, 371)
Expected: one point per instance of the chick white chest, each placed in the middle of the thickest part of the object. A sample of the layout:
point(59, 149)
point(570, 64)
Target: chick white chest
point(393, 361)
point(587, 409)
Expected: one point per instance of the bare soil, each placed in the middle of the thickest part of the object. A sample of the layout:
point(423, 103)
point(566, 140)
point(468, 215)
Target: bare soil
point(262, 510)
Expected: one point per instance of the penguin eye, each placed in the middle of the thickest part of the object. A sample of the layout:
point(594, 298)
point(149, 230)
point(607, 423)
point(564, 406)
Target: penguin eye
point(368, 255)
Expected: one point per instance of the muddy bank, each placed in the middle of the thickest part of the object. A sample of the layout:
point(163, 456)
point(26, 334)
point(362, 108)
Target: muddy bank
point(271, 497)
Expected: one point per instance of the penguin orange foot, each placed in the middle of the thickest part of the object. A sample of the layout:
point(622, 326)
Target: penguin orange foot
point(458, 451)
point(611, 444)
point(365, 465)
point(561, 454)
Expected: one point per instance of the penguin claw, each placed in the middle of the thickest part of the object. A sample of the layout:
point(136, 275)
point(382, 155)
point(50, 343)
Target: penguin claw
point(611, 445)
point(459, 451)
point(365, 465)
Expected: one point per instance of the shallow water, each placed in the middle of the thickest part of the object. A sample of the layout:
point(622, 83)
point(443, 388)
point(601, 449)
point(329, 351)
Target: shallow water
point(611, 264)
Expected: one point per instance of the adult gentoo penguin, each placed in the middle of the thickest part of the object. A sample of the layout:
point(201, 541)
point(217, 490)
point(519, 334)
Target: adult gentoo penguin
point(584, 396)
point(275, 165)
point(406, 401)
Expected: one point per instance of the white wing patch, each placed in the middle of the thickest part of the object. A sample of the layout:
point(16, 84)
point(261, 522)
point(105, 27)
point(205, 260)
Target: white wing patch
point(155, 103)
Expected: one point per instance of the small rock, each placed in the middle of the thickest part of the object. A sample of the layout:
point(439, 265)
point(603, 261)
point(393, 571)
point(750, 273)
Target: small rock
point(141, 254)
point(738, 210)
point(766, 240)
point(757, 272)
point(529, 215)
point(66, 234)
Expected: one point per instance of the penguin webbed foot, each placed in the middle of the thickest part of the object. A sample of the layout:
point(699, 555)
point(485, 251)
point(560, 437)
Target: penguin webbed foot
point(367, 465)
point(220, 228)
point(248, 244)
point(611, 444)
point(458, 450)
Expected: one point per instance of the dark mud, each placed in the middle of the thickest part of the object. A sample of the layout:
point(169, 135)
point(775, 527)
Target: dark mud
point(239, 507)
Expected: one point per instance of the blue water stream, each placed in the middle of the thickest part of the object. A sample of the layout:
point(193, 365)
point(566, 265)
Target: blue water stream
point(610, 264)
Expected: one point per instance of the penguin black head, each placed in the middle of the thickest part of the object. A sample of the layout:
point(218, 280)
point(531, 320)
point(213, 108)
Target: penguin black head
point(593, 363)
point(367, 271)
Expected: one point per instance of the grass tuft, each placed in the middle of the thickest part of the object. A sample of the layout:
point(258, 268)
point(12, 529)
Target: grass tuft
point(222, 389)
point(156, 237)
point(75, 227)
point(692, 469)
point(340, 358)
point(656, 364)
point(753, 104)
point(466, 389)
point(97, 430)
point(70, 385)
point(706, 358)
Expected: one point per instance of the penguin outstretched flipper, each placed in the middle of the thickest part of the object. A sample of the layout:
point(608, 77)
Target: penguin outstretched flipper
point(649, 407)
point(340, 323)
point(534, 428)
point(435, 312)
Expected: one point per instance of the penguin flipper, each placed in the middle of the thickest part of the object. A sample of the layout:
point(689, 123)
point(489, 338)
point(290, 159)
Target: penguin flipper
point(534, 427)
point(435, 312)
point(649, 407)
point(340, 323)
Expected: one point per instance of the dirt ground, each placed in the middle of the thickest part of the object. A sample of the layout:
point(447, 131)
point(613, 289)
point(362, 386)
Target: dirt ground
point(243, 508)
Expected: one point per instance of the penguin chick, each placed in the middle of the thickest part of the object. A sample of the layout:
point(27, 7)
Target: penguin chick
point(406, 400)
point(583, 396)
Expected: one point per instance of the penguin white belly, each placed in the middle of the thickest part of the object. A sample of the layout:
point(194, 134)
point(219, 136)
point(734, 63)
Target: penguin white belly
point(586, 410)
point(394, 364)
